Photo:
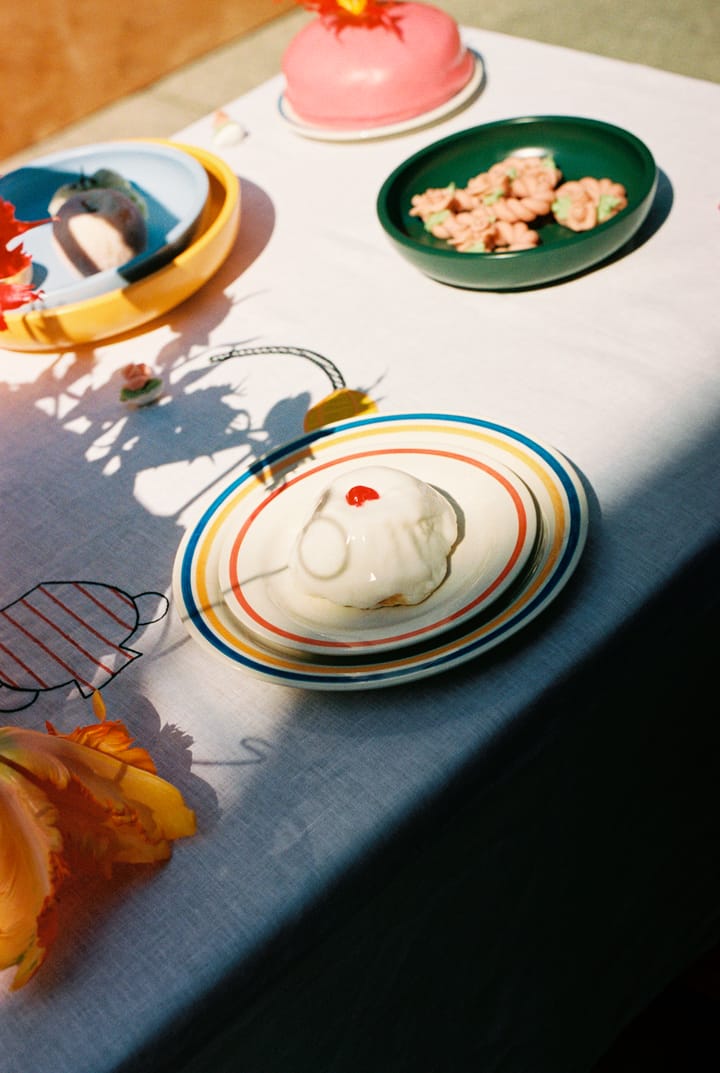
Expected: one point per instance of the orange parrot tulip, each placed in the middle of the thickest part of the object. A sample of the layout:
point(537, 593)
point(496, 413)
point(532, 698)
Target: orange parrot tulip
point(361, 9)
point(73, 802)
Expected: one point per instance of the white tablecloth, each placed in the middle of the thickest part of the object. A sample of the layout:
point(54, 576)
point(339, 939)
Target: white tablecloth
point(296, 791)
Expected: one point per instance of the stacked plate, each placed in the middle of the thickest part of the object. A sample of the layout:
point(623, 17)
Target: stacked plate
point(193, 203)
point(522, 516)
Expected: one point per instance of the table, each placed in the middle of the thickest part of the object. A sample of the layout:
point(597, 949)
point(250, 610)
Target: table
point(494, 868)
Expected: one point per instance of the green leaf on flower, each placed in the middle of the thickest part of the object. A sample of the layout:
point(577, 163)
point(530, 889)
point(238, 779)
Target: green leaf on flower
point(561, 207)
point(436, 218)
point(606, 207)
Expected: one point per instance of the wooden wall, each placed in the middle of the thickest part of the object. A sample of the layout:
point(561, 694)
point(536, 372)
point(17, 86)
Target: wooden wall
point(63, 59)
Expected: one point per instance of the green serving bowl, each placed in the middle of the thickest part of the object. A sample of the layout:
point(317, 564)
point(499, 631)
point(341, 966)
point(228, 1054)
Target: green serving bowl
point(579, 147)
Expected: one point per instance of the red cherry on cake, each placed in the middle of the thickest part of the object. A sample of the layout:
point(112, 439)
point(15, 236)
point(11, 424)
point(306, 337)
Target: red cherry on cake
point(359, 494)
point(99, 229)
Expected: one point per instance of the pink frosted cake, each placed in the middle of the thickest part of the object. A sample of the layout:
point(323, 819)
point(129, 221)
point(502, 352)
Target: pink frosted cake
point(369, 63)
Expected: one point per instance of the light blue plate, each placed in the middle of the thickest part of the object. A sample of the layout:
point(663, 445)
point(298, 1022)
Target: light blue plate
point(173, 183)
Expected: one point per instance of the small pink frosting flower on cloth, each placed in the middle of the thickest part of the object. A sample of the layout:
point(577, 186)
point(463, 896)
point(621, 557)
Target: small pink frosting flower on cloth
point(141, 386)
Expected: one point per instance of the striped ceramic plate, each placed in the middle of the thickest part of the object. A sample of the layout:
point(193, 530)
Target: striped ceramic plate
point(523, 515)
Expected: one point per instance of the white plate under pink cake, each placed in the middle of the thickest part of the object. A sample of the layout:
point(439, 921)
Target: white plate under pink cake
point(375, 66)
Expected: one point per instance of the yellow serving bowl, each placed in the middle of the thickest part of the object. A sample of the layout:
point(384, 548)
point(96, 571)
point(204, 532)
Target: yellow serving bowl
point(130, 307)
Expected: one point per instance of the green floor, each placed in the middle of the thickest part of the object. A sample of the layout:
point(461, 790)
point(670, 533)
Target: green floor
point(677, 35)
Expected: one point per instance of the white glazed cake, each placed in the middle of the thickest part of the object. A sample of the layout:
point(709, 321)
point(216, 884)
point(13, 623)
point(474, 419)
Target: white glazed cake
point(98, 230)
point(102, 179)
point(377, 537)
